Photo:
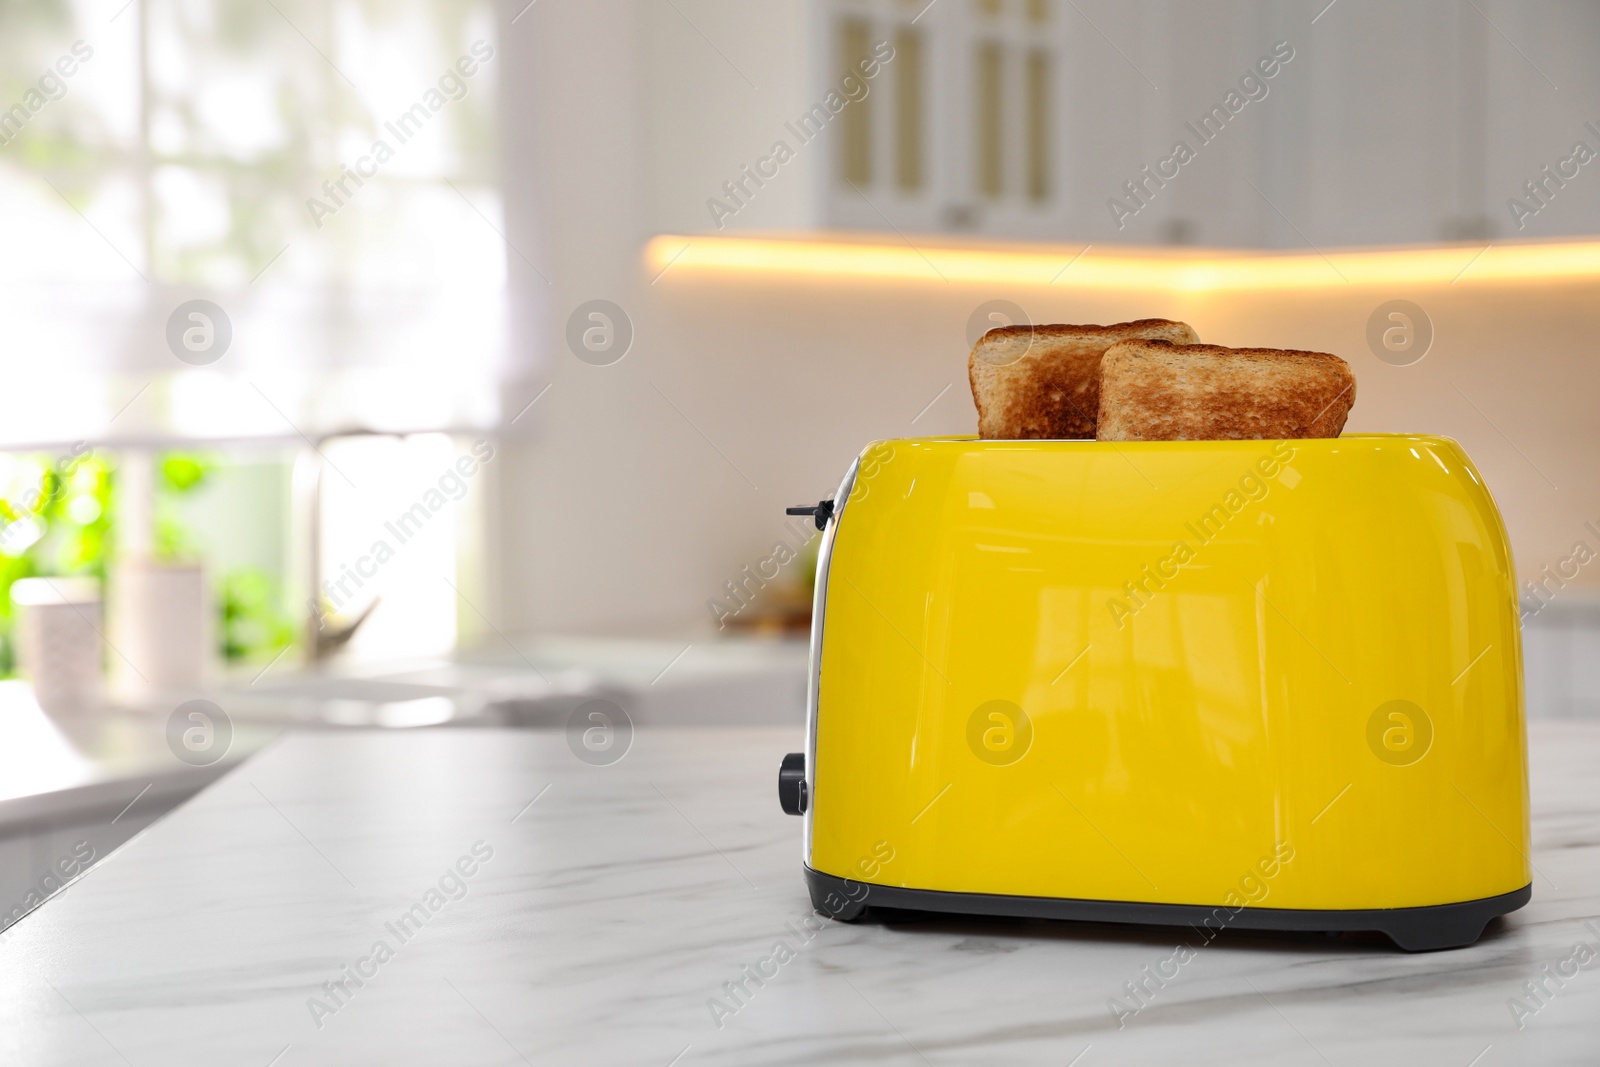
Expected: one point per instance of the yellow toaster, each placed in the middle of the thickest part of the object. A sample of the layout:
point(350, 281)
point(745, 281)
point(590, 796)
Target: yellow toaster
point(1247, 684)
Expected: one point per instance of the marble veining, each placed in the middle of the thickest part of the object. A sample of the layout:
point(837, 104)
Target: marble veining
point(603, 919)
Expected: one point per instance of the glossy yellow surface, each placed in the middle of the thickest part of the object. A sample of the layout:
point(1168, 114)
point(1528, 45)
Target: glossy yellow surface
point(1224, 650)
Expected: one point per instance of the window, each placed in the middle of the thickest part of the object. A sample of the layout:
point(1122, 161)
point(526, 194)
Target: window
point(321, 174)
point(321, 170)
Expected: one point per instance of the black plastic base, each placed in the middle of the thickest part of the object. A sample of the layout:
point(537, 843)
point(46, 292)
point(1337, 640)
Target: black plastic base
point(1427, 929)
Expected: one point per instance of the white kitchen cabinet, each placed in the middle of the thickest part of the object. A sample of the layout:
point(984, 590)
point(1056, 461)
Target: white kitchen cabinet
point(1026, 119)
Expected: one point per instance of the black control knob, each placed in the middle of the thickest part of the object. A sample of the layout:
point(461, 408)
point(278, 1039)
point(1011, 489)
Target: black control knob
point(821, 512)
point(792, 784)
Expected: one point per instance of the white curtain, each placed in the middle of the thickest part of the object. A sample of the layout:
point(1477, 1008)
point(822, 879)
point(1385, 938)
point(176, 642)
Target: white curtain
point(204, 151)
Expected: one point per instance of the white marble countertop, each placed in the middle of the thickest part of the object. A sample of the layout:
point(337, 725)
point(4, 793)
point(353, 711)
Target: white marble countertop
point(616, 901)
point(56, 766)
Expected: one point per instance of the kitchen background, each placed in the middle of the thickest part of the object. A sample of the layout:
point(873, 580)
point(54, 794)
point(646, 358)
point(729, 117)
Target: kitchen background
point(393, 364)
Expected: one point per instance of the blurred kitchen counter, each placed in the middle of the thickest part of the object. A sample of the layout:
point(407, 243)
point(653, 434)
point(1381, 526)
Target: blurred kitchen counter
point(746, 681)
point(568, 912)
point(76, 784)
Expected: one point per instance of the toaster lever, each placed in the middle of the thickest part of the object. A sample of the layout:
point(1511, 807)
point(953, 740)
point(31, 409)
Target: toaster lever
point(822, 511)
point(792, 784)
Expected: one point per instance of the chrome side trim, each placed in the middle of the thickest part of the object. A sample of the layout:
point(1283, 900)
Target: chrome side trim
point(819, 603)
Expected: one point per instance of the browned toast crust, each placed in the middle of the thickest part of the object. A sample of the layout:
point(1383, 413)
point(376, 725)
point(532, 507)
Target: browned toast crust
point(1153, 390)
point(1032, 382)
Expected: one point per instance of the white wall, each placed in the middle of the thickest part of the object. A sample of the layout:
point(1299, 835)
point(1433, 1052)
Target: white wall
point(624, 502)
point(704, 121)
point(621, 120)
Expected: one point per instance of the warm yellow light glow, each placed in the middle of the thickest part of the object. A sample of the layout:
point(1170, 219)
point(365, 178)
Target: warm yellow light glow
point(1124, 268)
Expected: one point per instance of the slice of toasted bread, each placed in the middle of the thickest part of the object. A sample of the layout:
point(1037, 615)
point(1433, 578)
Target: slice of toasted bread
point(1044, 381)
point(1158, 391)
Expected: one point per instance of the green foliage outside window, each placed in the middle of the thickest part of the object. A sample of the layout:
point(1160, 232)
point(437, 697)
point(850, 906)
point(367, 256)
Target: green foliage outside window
point(251, 622)
point(56, 519)
point(56, 515)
